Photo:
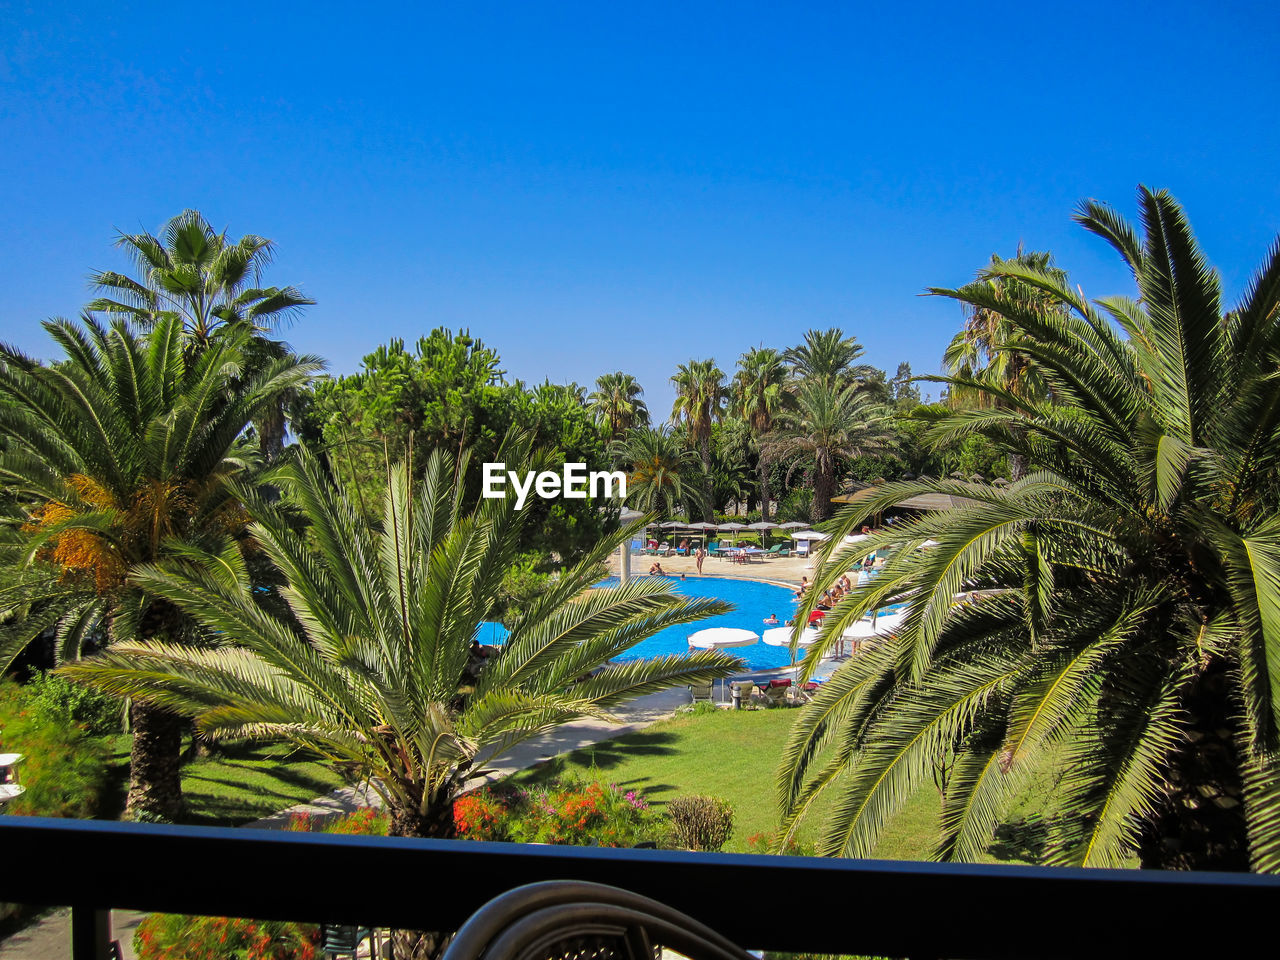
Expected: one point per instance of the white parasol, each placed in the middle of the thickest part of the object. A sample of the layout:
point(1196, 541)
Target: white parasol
point(781, 636)
point(716, 638)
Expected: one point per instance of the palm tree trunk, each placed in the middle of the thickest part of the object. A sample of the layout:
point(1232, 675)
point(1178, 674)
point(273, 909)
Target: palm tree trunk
point(764, 490)
point(271, 427)
point(155, 776)
point(823, 486)
point(1201, 823)
point(1017, 466)
point(708, 508)
point(436, 823)
point(155, 755)
point(1017, 461)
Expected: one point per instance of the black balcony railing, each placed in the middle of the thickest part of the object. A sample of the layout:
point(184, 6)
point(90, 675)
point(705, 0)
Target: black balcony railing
point(797, 904)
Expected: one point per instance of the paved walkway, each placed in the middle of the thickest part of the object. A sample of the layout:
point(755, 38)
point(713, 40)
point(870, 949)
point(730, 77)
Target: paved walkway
point(570, 736)
point(50, 937)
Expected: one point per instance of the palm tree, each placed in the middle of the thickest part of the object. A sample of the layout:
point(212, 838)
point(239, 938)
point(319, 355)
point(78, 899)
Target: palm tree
point(977, 352)
point(759, 395)
point(199, 276)
point(373, 665)
point(829, 423)
point(118, 456)
point(1123, 638)
point(828, 356)
point(617, 405)
point(660, 468)
point(700, 401)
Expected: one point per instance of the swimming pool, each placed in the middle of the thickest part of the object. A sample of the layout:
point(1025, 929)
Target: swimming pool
point(753, 601)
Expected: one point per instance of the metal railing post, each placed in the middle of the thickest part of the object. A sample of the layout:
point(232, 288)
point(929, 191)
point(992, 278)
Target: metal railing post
point(90, 933)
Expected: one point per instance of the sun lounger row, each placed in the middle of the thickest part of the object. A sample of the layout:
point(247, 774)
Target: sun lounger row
point(715, 549)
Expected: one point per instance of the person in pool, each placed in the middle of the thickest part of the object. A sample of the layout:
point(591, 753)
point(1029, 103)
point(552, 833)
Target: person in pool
point(773, 620)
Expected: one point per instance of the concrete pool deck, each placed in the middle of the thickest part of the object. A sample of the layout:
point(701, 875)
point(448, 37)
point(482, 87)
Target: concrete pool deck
point(785, 571)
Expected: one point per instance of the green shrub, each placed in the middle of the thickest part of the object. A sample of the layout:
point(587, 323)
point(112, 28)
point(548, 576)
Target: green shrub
point(64, 770)
point(700, 823)
point(699, 709)
point(796, 505)
point(56, 700)
point(522, 585)
point(174, 936)
point(764, 843)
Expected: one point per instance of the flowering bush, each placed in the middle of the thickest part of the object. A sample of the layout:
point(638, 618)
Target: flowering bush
point(481, 816)
point(365, 822)
point(173, 936)
point(592, 814)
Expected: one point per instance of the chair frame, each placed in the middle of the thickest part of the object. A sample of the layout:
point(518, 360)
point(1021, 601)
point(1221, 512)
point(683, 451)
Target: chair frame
point(558, 919)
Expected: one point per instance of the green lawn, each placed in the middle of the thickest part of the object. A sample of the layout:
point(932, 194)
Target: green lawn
point(241, 783)
point(733, 755)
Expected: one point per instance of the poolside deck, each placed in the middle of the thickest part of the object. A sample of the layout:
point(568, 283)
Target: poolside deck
point(787, 570)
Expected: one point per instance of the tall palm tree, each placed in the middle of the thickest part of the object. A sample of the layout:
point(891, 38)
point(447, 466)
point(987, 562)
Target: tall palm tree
point(700, 401)
point(828, 424)
point(208, 282)
point(373, 665)
point(977, 352)
point(118, 456)
point(660, 474)
point(199, 276)
point(760, 394)
point(1124, 637)
point(828, 356)
point(617, 405)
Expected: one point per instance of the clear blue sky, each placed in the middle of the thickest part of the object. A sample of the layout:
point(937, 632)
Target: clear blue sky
point(603, 186)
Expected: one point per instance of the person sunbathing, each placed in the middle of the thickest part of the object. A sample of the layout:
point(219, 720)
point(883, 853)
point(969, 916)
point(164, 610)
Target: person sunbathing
point(656, 570)
point(804, 588)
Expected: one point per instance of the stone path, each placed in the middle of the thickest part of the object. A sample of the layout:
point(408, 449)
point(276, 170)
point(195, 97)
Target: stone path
point(49, 938)
point(632, 716)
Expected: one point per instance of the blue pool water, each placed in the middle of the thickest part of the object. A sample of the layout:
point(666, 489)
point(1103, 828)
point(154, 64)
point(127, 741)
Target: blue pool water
point(753, 601)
